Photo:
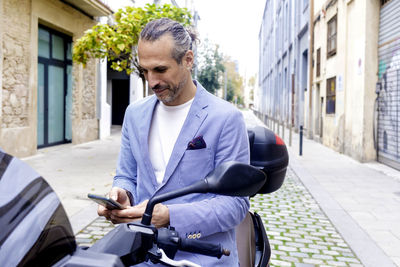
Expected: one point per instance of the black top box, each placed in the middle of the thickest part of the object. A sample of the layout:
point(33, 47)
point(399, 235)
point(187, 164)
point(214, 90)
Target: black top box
point(268, 152)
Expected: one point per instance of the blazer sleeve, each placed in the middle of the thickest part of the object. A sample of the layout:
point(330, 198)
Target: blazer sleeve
point(218, 213)
point(126, 172)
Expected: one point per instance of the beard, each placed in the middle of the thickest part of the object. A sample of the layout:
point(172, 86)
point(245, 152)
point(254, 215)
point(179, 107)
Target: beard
point(172, 92)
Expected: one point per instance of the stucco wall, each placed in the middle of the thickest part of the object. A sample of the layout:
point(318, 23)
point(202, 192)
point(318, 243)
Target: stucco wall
point(350, 129)
point(20, 21)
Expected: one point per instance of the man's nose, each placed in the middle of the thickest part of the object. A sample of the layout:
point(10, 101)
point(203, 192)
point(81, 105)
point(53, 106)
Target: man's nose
point(152, 80)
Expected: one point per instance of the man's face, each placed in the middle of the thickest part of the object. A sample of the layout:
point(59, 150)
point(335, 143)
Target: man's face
point(165, 76)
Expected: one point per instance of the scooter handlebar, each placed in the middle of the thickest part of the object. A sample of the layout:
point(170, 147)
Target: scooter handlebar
point(202, 247)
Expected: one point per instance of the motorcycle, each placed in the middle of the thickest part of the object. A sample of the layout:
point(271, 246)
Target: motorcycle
point(36, 230)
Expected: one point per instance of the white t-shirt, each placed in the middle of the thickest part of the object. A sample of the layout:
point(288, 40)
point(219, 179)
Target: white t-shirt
point(165, 127)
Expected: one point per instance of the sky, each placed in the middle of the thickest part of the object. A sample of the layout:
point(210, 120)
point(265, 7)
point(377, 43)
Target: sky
point(232, 24)
point(235, 26)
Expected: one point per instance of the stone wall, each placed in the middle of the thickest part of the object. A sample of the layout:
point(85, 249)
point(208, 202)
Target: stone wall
point(84, 103)
point(16, 55)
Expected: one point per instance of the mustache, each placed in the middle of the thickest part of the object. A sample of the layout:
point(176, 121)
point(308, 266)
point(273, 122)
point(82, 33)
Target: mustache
point(159, 87)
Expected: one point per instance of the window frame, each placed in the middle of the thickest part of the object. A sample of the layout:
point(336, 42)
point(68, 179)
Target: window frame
point(330, 96)
point(331, 35)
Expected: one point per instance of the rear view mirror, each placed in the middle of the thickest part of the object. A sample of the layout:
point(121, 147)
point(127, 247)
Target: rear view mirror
point(230, 178)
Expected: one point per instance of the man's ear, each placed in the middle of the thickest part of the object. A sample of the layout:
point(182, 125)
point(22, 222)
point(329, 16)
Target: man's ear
point(188, 59)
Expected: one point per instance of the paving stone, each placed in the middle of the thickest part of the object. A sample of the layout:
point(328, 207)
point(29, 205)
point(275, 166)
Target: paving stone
point(280, 263)
point(346, 259)
point(322, 257)
point(337, 263)
point(290, 259)
point(304, 240)
point(275, 242)
point(318, 247)
point(93, 228)
point(313, 261)
point(347, 250)
point(83, 236)
point(330, 252)
point(84, 240)
point(293, 244)
point(298, 254)
point(286, 248)
point(280, 252)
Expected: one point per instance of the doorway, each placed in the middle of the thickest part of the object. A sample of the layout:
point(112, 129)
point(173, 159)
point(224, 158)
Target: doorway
point(120, 100)
point(54, 95)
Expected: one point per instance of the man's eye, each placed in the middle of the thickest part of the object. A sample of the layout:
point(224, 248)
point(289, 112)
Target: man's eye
point(161, 70)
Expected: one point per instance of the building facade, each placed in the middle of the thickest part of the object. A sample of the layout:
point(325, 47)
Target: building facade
point(283, 40)
point(345, 73)
point(44, 98)
point(351, 104)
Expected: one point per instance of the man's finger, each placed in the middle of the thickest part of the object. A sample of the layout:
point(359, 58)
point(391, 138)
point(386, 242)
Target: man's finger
point(129, 212)
point(116, 219)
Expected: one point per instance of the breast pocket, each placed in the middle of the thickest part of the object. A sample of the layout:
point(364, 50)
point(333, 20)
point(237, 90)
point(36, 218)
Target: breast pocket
point(195, 165)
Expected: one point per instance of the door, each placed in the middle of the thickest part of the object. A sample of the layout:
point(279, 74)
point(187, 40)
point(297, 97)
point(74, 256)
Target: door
point(54, 96)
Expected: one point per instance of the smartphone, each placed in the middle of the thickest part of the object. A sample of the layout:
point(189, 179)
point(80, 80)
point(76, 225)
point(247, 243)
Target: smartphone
point(106, 202)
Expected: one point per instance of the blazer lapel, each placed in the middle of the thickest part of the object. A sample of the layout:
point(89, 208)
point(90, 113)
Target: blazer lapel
point(144, 131)
point(194, 120)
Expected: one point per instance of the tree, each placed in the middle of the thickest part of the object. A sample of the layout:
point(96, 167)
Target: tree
point(234, 82)
point(118, 42)
point(252, 85)
point(211, 67)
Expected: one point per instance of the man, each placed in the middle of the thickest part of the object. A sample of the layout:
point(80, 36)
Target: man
point(175, 138)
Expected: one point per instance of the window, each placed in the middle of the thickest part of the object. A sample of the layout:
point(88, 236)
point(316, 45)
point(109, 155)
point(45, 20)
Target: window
point(318, 62)
point(332, 34)
point(330, 95)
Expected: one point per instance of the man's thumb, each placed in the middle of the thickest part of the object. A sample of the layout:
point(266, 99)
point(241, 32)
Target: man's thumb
point(114, 195)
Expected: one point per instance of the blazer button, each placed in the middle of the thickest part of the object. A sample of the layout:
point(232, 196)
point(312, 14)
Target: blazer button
point(198, 235)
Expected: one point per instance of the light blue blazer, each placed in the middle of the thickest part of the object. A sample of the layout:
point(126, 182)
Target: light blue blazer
point(211, 217)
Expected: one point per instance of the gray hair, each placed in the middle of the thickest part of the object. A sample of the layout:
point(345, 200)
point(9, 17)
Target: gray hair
point(184, 38)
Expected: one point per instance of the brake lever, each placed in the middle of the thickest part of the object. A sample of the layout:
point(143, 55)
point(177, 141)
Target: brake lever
point(157, 255)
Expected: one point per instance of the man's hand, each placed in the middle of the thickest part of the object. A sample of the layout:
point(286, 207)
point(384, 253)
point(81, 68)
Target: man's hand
point(160, 216)
point(117, 194)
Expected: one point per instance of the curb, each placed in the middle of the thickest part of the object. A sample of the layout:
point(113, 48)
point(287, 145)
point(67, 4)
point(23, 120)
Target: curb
point(83, 218)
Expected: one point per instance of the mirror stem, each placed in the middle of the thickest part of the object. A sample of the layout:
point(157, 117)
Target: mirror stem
point(199, 187)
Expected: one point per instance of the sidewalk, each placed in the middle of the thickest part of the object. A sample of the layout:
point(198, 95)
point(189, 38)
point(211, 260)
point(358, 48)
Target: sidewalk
point(73, 171)
point(361, 200)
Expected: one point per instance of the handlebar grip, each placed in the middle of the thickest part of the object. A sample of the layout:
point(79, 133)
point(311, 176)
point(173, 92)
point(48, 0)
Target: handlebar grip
point(202, 247)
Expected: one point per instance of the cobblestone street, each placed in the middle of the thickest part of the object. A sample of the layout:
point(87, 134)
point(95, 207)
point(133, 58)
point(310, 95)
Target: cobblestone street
point(299, 232)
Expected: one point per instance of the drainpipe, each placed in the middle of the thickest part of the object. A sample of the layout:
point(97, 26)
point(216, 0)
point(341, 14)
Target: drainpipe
point(310, 67)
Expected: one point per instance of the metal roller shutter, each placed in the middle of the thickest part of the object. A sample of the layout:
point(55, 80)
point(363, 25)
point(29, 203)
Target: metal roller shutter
point(388, 125)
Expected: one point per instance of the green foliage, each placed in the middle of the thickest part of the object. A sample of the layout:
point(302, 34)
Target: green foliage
point(211, 67)
point(235, 82)
point(118, 42)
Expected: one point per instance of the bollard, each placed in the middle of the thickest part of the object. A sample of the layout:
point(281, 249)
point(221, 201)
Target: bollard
point(301, 140)
point(290, 134)
point(278, 124)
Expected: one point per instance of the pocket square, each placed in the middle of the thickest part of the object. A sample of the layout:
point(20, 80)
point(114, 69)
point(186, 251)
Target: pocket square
point(197, 143)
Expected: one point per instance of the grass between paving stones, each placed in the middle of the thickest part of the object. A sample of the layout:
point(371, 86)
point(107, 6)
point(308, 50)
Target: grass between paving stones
point(299, 232)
